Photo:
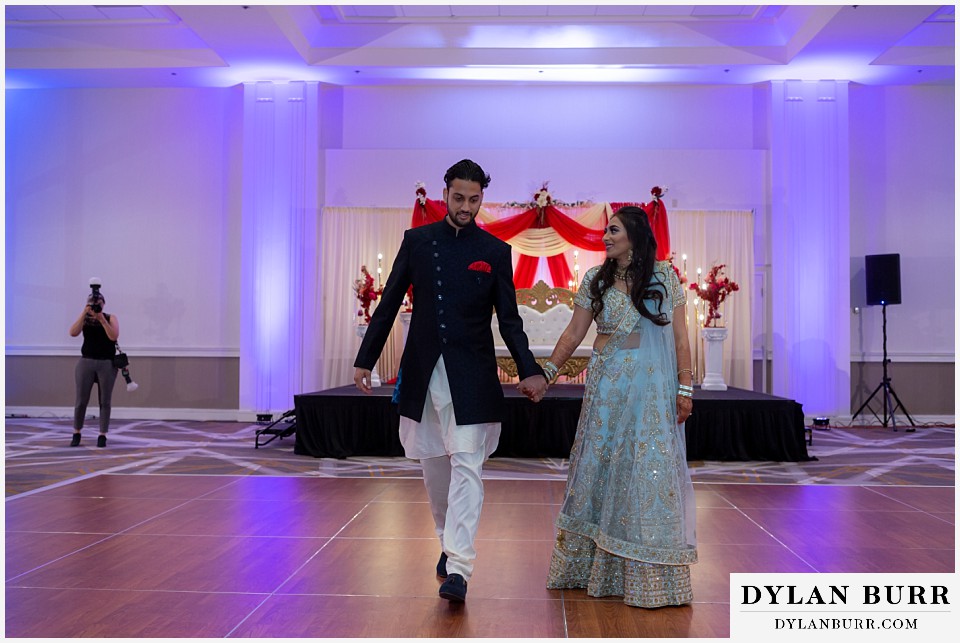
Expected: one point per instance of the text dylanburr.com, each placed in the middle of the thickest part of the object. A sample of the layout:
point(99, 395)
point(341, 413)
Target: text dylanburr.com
point(825, 607)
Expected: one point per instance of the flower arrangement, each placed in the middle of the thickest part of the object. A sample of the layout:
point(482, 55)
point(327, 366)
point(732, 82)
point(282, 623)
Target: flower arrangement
point(421, 192)
point(714, 290)
point(366, 293)
point(658, 192)
point(542, 196)
point(541, 199)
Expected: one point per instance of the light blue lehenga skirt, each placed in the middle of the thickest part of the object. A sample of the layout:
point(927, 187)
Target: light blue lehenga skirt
point(627, 524)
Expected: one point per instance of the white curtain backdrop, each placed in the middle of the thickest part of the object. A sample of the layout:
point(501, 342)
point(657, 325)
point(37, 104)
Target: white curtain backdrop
point(708, 238)
point(351, 237)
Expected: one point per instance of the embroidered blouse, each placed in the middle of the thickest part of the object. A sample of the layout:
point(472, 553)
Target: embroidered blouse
point(615, 302)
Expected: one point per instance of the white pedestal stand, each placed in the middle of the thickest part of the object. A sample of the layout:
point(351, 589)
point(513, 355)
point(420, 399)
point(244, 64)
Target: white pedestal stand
point(405, 322)
point(713, 358)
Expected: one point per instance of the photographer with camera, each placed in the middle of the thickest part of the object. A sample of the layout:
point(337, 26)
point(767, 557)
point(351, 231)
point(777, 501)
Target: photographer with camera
point(100, 332)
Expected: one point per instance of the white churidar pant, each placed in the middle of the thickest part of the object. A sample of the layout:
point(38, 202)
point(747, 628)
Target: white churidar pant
point(452, 458)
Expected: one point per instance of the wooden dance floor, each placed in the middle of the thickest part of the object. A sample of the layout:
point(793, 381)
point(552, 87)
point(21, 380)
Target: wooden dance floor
point(258, 556)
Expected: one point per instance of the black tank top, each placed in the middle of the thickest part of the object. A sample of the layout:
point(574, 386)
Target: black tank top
point(96, 344)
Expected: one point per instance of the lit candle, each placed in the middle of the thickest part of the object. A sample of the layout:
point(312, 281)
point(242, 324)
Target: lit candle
point(379, 268)
point(684, 265)
point(576, 267)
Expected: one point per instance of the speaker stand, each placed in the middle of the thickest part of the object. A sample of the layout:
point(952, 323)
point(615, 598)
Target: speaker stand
point(889, 410)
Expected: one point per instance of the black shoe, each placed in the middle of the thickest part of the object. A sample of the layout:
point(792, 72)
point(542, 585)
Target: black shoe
point(454, 589)
point(101, 441)
point(442, 565)
point(75, 440)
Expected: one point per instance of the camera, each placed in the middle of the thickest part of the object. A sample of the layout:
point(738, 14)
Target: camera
point(131, 385)
point(96, 306)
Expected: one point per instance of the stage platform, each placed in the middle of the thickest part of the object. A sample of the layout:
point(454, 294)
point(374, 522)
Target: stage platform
point(731, 425)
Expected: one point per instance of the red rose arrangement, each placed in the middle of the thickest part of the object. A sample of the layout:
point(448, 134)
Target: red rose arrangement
point(714, 290)
point(366, 293)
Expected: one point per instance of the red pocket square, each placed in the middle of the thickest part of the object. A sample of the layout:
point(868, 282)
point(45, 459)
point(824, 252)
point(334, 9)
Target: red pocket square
point(481, 266)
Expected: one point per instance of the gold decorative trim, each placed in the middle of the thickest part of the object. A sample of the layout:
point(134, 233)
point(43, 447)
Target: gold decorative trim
point(571, 368)
point(507, 365)
point(542, 297)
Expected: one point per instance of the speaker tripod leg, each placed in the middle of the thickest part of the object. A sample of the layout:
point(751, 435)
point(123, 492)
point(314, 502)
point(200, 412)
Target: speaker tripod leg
point(913, 426)
point(887, 405)
point(866, 404)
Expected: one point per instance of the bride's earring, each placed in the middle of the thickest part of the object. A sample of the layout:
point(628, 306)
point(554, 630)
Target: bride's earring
point(630, 256)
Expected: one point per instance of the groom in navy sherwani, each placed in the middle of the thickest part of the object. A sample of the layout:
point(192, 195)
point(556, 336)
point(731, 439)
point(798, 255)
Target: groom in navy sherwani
point(450, 396)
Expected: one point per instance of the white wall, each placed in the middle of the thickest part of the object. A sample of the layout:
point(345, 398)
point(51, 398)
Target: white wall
point(138, 187)
point(549, 117)
point(607, 143)
point(903, 201)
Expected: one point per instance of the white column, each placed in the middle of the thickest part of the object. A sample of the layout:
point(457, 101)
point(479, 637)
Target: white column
point(279, 242)
point(810, 244)
point(713, 358)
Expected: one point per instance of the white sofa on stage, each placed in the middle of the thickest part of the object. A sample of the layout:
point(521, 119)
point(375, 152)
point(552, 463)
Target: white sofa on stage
point(545, 312)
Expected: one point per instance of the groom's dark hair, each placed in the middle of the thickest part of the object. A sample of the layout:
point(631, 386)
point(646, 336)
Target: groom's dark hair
point(467, 170)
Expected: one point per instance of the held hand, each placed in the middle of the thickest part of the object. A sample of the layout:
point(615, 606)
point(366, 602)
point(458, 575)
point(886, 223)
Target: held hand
point(361, 377)
point(524, 387)
point(534, 387)
point(684, 408)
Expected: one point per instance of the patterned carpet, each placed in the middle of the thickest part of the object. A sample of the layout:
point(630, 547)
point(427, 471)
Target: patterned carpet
point(38, 455)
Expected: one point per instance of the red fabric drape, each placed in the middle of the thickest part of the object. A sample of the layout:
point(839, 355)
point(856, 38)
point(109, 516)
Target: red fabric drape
point(657, 214)
point(568, 229)
point(572, 232)
point(431, 212)
point(525, 271)
point(510, 227)
point(559, 271)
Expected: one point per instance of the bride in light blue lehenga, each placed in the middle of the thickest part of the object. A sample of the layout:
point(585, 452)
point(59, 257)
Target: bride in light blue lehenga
point(627, 523)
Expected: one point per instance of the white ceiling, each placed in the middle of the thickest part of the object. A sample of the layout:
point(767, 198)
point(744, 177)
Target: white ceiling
point(221, 46)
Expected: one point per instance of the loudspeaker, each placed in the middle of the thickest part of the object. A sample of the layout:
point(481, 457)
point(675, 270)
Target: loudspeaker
point(883, 279)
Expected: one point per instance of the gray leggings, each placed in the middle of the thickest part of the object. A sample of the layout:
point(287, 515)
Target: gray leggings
point(104, 374)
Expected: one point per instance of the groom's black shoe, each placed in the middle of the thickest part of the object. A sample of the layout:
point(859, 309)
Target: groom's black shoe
point(442, 565)
point(454, 589)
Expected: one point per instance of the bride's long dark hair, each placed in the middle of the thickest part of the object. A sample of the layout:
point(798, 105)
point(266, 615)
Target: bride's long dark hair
point(640, 269)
